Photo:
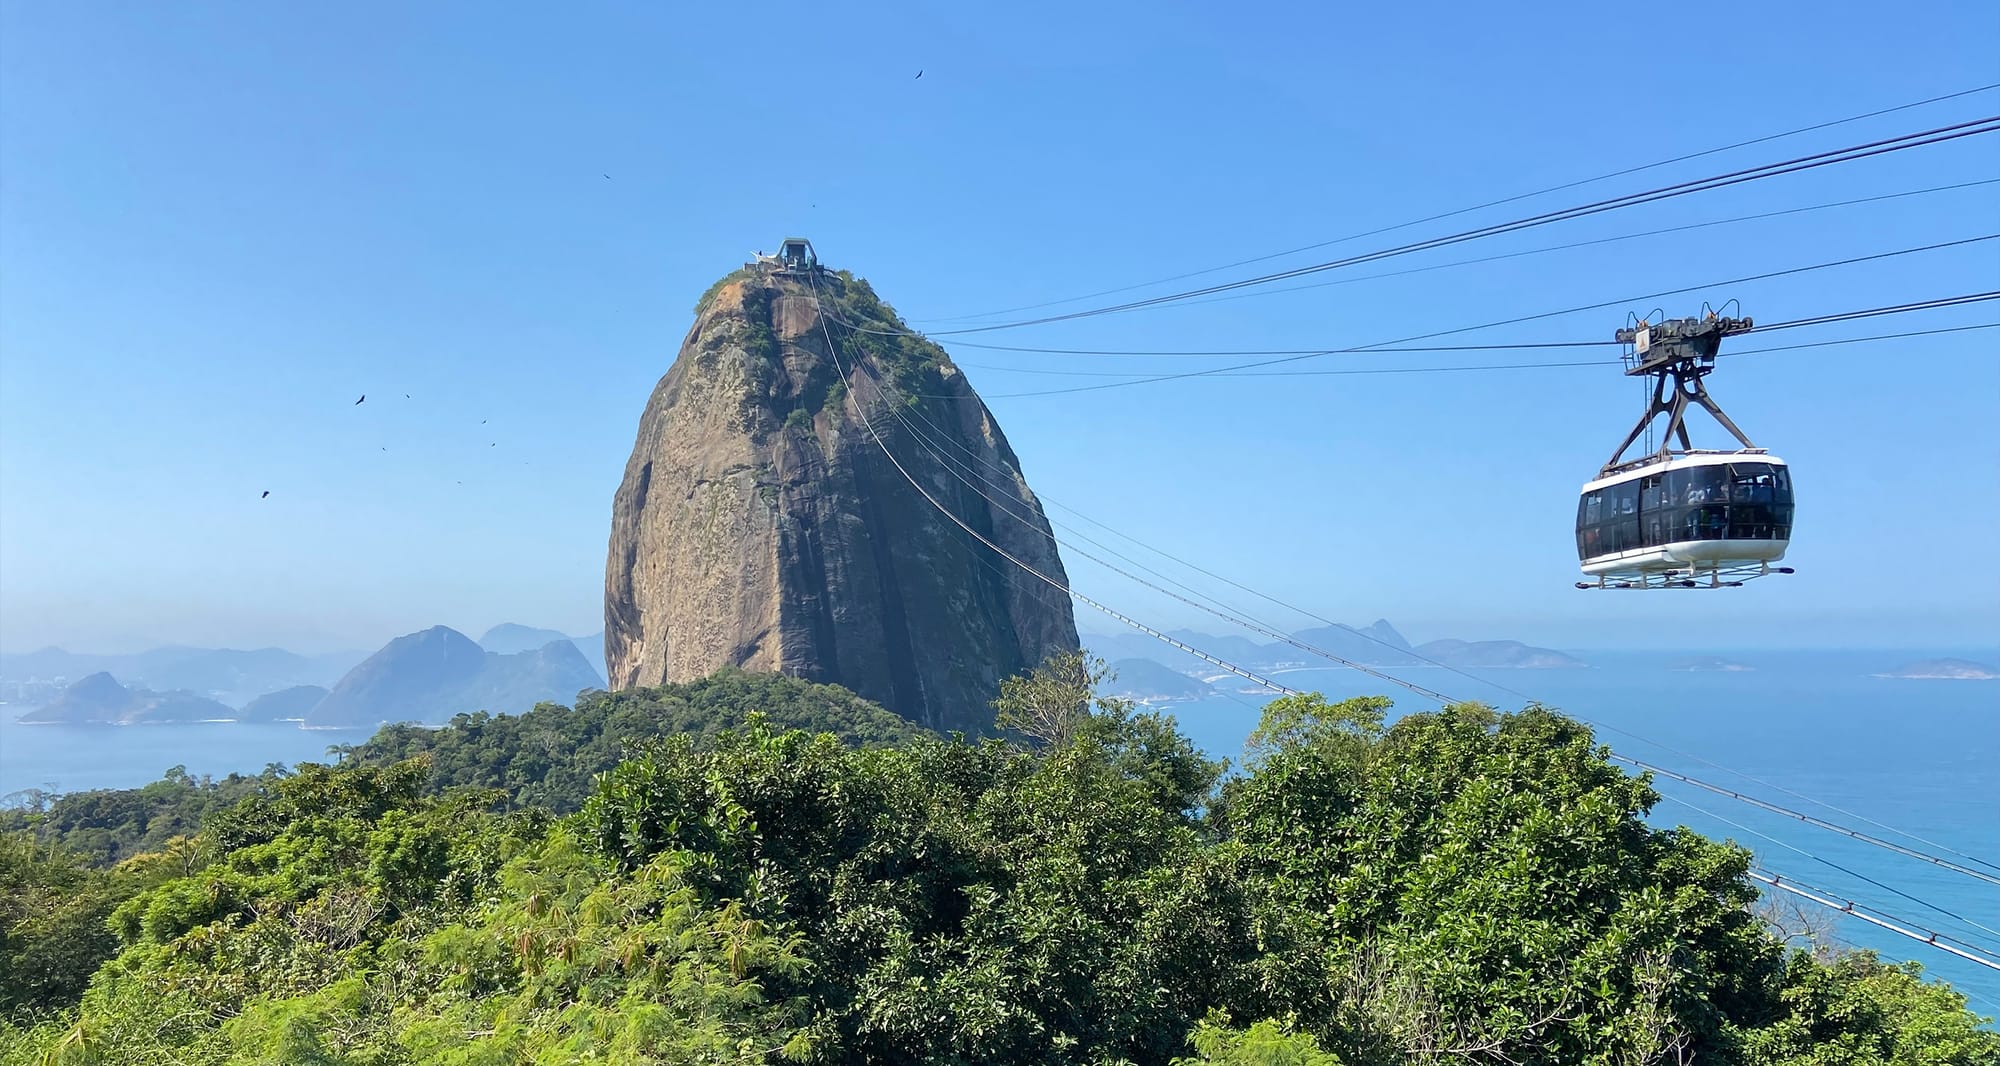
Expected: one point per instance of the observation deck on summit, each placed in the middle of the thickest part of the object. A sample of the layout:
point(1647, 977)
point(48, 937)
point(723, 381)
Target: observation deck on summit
point(795, 256)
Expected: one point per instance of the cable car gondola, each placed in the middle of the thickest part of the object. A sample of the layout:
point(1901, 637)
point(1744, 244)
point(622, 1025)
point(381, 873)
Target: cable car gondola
point(1683, 517)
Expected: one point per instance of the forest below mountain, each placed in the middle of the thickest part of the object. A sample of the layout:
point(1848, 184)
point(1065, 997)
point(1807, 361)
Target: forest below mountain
point(753, 869)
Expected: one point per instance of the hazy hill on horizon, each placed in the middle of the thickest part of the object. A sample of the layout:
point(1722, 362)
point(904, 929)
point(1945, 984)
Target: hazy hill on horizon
point(243, 677)
point(100, 699)
point(1945, 669)
point(433, 674)
point(285, 705)
point(1151, 682)
point(1378, 644)
point(512, 638)
point(230, 675)
point(509, 638)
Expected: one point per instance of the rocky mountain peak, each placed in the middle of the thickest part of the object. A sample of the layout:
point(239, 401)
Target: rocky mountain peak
point(759, 524)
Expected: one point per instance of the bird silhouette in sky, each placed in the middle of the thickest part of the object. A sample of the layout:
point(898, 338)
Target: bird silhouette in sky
point(919, 75)
point(607, 177)
point(266, 496)
point(364, 396)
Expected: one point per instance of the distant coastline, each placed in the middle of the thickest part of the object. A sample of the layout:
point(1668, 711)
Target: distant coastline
point(1712, 664)
point(1943, 670)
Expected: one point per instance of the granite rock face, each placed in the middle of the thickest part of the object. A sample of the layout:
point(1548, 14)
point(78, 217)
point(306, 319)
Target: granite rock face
point(760, 524)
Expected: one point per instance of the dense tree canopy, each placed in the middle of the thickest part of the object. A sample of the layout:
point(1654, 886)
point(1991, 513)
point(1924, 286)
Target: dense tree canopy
point(103, 826)
point(1458, 886)
point(549, 756)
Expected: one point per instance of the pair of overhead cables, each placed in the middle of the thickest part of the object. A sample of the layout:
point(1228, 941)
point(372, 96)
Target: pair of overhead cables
point(1516, 198)
point(1925, 305)
point(1516, 320)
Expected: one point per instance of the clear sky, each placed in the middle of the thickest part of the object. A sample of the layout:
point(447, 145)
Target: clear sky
point(221, 223)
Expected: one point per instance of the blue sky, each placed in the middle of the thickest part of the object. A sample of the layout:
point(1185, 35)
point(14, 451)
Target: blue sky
point(220, 223)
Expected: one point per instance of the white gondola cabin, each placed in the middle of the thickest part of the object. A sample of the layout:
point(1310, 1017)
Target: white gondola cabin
point(1681, 517)
point(1703, 518)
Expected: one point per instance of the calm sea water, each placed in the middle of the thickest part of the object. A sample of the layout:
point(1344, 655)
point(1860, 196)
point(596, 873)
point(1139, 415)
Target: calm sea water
point(58, 758)
point(1920, 756)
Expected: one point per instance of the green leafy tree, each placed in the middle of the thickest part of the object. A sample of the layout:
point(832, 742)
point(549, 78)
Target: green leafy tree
point(1467, 883)
point(52, 932)
point(1051, 702)
point(550, 756)
point(320, 945)
point(1266, 1043)
point(105, 826)
point(1856, 1010)
point(958, 902)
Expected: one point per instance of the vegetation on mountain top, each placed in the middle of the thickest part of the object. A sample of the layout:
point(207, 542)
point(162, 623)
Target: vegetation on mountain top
point(911, 363)
point(708, 295)
point(1458, 886)
point(550, 756)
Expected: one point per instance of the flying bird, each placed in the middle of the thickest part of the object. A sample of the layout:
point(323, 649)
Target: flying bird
point(919, 75)
point(267, 495)
point(364, 396)
point(607, 177)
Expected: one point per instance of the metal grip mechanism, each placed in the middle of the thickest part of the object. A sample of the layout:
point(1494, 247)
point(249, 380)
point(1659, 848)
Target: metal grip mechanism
point(1676, 353)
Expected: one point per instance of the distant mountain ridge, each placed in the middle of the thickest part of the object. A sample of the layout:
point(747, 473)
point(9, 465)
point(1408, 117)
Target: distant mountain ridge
point(431, 675)
point(427, 676)
point(251, 677)
point(1376, 645)
point(101, 700)
point(225, 673)
point(512, 638)
point(285, 705)
point(509, 638)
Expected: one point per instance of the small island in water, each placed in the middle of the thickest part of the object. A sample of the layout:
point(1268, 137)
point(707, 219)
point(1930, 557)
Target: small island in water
point(1944, 670)
point(1712, 664)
